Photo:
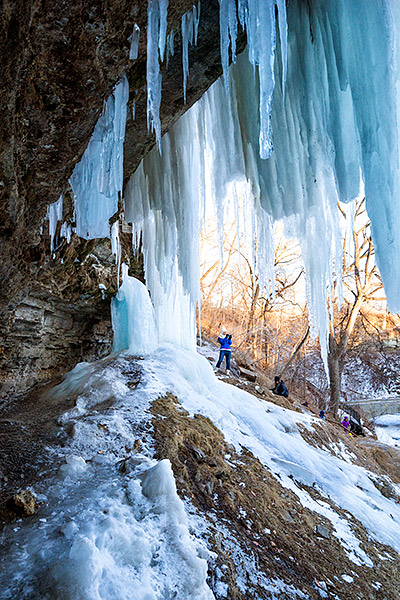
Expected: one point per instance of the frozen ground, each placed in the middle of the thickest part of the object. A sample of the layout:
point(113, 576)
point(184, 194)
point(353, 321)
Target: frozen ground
point(387, 429)
point(365, 377)
point(112, 526)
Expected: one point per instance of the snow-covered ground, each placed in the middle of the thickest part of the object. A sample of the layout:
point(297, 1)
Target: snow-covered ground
point(272, 434)
point(387, 429)
point(112, 526)
point(365, 377)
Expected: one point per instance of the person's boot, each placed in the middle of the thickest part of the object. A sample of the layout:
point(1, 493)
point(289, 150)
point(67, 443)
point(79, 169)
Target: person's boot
point(228, 372)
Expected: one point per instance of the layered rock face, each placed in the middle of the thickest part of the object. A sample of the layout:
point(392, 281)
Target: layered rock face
point(59, 63)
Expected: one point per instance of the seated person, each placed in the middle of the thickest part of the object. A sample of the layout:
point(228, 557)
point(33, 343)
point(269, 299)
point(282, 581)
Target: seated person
point(280, 388)
point(346, 424)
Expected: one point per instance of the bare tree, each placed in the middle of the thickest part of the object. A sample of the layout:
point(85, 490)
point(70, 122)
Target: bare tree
point(233, 295)
point(362, 282)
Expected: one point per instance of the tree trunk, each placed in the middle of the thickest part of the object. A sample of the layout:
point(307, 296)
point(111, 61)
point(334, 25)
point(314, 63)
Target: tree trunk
point(296, 351)
point(334, 383)
point(254, 300)
point(335, 375)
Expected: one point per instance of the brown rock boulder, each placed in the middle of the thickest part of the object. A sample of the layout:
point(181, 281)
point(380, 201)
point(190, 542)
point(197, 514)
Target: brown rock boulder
point(23, 504)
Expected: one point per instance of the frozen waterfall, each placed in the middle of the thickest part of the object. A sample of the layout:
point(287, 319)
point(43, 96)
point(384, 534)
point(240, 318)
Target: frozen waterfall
point(334, 127)
point(212, 146)
point(333, 74)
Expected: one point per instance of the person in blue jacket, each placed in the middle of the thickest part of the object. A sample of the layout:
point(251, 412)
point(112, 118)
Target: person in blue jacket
point(225, 341)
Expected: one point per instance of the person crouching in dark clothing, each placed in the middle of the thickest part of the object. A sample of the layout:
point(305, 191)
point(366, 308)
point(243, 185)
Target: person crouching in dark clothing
point(280, 388)
point(355, 427)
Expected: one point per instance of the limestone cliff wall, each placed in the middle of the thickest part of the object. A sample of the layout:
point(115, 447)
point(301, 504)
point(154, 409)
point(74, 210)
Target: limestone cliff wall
point(59, 62)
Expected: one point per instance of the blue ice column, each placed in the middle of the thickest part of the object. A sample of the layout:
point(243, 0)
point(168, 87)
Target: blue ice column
point(133, 319)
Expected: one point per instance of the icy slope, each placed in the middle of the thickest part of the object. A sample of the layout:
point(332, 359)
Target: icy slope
point(387, 429)
point(111, 529)
point(272, 434)
point(112, 525)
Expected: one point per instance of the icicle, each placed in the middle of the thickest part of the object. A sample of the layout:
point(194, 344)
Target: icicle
point(116, 247)
point(156, 35)
point(186, 22)
point(190, 26)
point(282, 17)
point(134, 49)
point(53, 215)
point(228, 34)
point(264, 42)
point(196, 21)
point(163, 5)
point(97, 178)
point(136, 236)
point(66, 232)
point(258, 18)
point(170, 45)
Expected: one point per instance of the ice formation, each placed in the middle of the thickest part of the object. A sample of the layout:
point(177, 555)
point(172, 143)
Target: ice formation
point(212, 149)
point(170, 45)
point(156, 39)
point(53, 215)
point(258, 19)
point(133, 317)
point(97, 179)
point(162, 201)
point(66, 232)
point(116, 247)
point(338, 120)
point(387, 428)
point(332, 128)
point(134, 49)
point(190, 28)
